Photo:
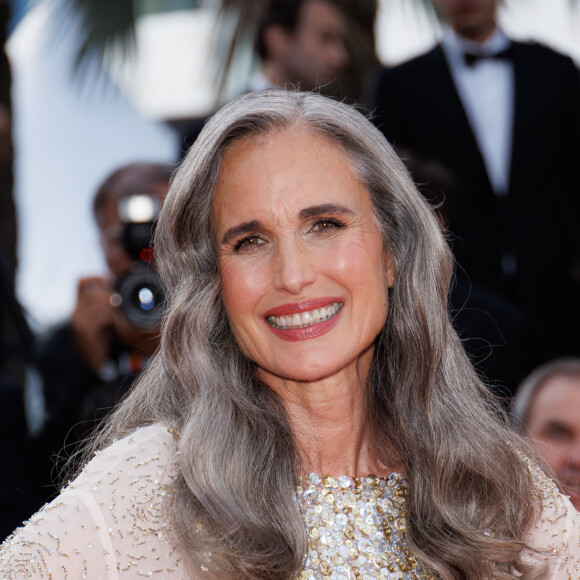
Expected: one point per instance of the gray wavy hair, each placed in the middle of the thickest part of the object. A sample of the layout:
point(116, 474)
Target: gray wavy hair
point(469, 500)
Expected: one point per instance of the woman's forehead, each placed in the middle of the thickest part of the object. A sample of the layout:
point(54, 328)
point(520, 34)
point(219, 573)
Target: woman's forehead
point(286, 170)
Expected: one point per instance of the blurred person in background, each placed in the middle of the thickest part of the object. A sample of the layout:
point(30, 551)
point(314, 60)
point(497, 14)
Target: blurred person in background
point(501, 121)
point(18, 487)
point(301, 44)
point(90, 362)
point(13, 344)
point(547, 410)
point(493, 332)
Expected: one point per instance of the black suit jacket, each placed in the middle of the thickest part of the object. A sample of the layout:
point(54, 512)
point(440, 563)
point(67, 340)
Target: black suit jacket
point(419, 110)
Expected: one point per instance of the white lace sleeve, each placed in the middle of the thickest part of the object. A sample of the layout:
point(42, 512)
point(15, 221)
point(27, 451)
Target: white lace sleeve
point(557, 531)
point(107, 524)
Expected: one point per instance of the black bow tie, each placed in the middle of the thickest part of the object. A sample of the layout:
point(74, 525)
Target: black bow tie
point(471, 58)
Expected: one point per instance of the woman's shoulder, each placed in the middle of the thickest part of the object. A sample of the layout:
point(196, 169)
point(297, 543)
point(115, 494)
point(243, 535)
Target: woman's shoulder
point(145, 451)
point(110, 520)
point(556, 531)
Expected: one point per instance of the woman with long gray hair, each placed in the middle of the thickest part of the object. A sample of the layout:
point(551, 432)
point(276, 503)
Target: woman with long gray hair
point(310, 412)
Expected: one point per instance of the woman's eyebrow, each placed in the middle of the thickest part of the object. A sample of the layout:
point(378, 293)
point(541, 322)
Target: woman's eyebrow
point(325, 208)
point(307, 212)
point(241, 229)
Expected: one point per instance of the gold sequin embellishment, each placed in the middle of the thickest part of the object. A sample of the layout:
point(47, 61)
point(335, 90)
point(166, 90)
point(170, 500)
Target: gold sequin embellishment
point(356, 529)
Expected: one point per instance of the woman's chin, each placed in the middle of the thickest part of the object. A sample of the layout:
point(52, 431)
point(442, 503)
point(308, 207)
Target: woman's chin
point(298, 374)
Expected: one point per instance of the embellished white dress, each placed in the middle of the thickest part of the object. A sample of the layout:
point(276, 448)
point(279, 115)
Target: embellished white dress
point(109, 524)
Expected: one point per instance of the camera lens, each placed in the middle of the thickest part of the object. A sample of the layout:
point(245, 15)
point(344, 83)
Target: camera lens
point(146, 299)
point(142, 297)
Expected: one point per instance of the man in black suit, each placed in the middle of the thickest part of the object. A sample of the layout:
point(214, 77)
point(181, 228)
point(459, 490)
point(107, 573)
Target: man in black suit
point(500, 121)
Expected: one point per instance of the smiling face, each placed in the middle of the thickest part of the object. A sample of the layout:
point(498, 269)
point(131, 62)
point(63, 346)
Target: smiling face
point(303, 270)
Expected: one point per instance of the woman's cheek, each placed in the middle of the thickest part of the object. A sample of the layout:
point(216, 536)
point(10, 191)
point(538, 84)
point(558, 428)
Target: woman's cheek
point(241, 281)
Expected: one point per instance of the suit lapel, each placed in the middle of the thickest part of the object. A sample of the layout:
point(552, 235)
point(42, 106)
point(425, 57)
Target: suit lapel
point(450, 104)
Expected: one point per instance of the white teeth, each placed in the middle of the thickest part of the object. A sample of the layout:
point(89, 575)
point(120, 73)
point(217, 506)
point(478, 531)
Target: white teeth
point(303, 319)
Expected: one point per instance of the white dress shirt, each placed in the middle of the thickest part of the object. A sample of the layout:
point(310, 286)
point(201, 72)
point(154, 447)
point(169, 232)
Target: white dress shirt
point(486, 90)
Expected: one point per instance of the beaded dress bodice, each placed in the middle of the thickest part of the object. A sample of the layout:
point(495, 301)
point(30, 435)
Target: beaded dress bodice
point(111, 524)
point(356, 528)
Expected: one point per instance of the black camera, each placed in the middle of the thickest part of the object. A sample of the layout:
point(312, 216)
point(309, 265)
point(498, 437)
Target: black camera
point(139, 294)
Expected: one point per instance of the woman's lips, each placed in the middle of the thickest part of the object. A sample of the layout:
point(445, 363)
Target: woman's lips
point(306, 320)
point(311, 304)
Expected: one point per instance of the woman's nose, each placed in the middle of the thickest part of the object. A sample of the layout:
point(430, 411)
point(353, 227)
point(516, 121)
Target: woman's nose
point(293, 269)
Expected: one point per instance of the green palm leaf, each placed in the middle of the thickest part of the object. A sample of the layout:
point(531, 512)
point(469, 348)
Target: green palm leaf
point(100, 26)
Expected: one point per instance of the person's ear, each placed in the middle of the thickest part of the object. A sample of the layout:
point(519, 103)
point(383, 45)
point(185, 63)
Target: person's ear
point(277, 42)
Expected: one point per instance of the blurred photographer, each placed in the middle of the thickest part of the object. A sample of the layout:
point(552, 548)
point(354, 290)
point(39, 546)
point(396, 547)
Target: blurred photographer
point(90, 362)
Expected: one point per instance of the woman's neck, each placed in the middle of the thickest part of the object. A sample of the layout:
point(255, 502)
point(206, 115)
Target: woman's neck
point(330, 423)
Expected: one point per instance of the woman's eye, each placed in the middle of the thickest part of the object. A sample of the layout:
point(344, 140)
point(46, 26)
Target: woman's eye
point(327, 225)
point(249, 242)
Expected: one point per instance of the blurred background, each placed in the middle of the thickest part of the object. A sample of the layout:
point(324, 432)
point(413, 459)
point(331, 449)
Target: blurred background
point(73, 124)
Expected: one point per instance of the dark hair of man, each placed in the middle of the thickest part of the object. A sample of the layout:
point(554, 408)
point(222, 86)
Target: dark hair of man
point(283, 13)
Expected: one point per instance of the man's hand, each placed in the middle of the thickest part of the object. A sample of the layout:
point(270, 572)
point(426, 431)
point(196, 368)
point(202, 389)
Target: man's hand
point(93, 320)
